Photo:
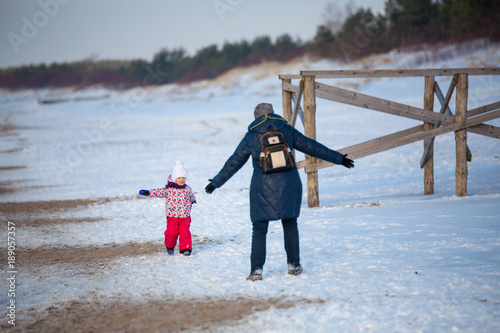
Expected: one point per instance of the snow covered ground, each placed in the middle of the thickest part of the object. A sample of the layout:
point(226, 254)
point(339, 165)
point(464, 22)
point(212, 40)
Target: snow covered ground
point(378, 255)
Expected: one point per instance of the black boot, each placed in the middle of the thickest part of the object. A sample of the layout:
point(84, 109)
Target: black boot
point(294, 269)
point(255, 275)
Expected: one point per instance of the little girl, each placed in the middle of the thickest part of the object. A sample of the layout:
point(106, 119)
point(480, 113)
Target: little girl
point(180, 199)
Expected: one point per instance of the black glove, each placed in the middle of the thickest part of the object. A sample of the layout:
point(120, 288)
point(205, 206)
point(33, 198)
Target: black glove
point(347, 162)
point(210, 187)
point(144, 192)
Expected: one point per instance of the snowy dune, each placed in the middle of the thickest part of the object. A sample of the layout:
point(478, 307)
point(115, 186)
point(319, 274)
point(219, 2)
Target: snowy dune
point(378, 255)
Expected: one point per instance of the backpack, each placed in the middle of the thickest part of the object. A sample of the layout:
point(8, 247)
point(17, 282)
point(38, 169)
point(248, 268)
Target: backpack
point(275, 155)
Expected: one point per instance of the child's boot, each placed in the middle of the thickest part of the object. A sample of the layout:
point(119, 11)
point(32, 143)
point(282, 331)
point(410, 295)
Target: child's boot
point(170, 250)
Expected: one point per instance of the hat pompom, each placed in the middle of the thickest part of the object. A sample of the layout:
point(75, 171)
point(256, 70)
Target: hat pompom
point(179, 171)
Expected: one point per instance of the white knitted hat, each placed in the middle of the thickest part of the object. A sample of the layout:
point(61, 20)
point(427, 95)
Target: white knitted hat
point(178, 171)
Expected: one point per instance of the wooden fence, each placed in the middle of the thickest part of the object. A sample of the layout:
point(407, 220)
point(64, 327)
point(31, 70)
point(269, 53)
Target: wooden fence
point(434, 123)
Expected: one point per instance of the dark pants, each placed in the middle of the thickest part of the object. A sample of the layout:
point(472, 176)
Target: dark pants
point(291, 235)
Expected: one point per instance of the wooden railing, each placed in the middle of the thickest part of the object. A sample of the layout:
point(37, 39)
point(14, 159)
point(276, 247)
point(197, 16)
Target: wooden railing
point(434, 123)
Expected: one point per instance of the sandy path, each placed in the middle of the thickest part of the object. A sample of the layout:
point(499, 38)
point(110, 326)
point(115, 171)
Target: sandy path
point(152, 316)
point(169, 315)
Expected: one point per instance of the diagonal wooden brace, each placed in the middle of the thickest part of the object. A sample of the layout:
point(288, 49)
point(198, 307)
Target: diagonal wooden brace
point(297, 109)
point(439, 95)
point(444, 109)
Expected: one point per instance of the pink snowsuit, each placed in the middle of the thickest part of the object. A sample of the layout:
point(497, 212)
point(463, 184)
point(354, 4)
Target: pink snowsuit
point(178, 212)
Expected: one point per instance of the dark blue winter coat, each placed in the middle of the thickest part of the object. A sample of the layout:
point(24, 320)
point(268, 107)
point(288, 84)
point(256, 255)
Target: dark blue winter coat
point(277, 195)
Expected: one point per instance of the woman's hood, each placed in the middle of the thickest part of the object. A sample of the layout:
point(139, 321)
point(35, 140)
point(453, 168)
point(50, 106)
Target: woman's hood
point(267, 123)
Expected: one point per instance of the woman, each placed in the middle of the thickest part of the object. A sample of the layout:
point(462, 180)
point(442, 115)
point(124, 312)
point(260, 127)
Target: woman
point(273, 196)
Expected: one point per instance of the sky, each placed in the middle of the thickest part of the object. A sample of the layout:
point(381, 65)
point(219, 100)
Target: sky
point(47, 31)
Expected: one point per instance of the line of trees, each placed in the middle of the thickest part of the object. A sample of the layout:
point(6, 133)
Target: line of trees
point(211, 61)
point(346, 34)
point(405, 23)
point(166, 66)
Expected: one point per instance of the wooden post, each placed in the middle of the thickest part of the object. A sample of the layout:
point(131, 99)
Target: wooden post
point(461, 135)
point(429, 165)
point(310, 132)
point(287, 100)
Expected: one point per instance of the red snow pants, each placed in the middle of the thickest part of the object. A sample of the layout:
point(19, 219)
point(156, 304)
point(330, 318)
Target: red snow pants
point(178, 227)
